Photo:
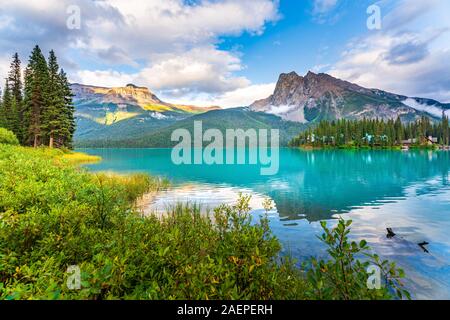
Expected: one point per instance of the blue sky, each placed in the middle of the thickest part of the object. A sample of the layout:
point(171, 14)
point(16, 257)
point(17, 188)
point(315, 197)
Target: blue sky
point(231, 52)
point(299, 40)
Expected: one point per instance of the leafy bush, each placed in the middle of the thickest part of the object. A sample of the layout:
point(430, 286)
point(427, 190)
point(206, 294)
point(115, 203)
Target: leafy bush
point(345, 277)
point(8, 137)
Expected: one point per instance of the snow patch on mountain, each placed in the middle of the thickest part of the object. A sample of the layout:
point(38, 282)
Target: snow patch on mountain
point(288, 112)
point(279, 110)
point(158, 115)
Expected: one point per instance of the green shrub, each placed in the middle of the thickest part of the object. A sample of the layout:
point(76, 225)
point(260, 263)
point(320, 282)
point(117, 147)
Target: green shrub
point(344, 277)
point(8, 137)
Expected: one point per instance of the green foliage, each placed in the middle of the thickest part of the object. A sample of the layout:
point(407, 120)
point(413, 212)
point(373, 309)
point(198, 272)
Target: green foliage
point(373, 133)
point(344, 277)
point(8, 137)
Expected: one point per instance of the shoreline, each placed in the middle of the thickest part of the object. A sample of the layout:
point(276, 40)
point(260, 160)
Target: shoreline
point(396, 148)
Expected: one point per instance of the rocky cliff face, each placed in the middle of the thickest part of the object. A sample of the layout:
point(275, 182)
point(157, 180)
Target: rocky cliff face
point(129, 94)
point(316, 97)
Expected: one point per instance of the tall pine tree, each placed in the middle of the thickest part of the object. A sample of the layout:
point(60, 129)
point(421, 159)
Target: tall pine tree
point(68, 111)
point(36, 97)
point(3, 119)
point(15, 85)
point(7, 107)
point(53, 117)
point(58, 116)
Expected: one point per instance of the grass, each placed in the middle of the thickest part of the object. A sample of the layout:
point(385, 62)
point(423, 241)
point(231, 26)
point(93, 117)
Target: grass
point(76, 158)
point(136, 184)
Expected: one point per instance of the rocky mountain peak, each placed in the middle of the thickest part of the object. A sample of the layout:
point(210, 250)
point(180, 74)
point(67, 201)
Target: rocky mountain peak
point(315, 97)
point(131, 91)
point(311, 75)
point(287, 76)
point(129, 94)
point(292, 89)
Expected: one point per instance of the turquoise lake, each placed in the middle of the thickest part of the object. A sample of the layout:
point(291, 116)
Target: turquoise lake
point(407, 191)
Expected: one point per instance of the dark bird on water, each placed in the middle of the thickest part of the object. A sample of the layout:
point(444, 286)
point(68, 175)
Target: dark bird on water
point(390, 233)
point(422, 245)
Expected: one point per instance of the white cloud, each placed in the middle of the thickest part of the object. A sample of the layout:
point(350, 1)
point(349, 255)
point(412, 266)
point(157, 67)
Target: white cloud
point(171, 44)
point(241, 97)
point(246, 96)
point(283, 109)
point(324, 6)
point(407, 12)
point(238, 95)
point(204, 69)
point(412, 59)
point(162, 26)
point(325, 11)
point(431, 109)
point(105, 78)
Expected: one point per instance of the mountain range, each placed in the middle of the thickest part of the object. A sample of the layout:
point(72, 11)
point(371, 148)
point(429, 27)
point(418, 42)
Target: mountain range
point(316, 97)
point(133, 116)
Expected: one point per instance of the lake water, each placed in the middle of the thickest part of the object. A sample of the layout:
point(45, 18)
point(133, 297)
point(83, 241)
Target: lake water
point(407, 191)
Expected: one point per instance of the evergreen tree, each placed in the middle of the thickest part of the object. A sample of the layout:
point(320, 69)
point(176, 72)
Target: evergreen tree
point(36, 97)
point(7, 107)
point(2, 113)
point(15, 78)
point(53, 116)
point(399, 134)
point(445, 129)
point(68, 111)
point(15, 85)
point(14, 121)
point(40, 110)
point(374, 132)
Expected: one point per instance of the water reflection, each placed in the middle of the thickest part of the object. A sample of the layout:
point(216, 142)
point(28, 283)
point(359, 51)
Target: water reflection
point(408, 191)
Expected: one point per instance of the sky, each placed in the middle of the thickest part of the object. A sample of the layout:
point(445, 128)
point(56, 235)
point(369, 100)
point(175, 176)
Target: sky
point(231, 52)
